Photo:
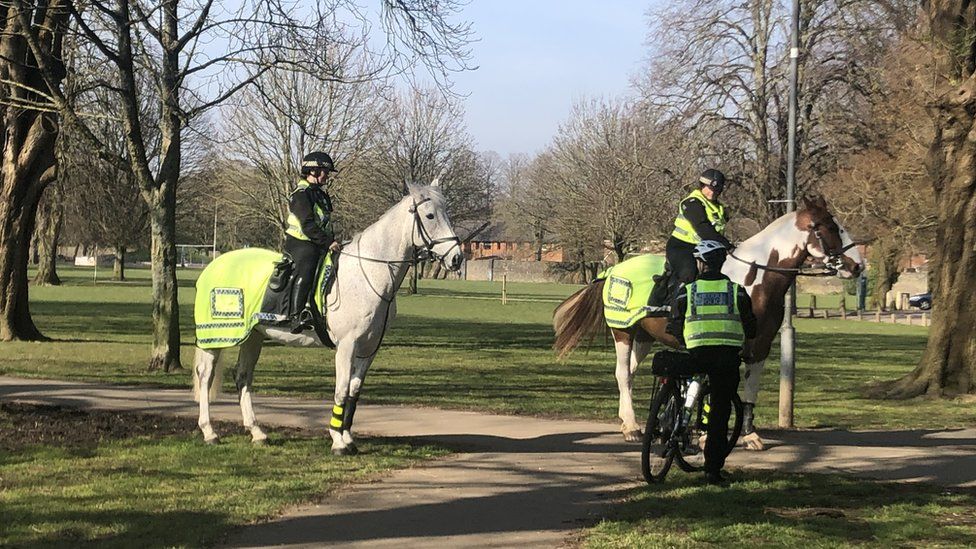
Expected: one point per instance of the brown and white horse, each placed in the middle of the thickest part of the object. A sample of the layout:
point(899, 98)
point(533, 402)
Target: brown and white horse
point(783, 246)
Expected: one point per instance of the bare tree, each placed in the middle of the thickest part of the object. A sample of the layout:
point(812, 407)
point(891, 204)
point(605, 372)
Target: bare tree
point(607, 172)
point(103, 201)
point(285, 115)
point(721, 66)
point(172, 43)
point(527, 205)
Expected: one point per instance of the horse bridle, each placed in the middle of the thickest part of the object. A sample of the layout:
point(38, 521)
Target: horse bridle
point(428, 241)
point(835, 259)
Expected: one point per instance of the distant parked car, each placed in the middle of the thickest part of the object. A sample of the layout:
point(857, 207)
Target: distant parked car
point(922, 301)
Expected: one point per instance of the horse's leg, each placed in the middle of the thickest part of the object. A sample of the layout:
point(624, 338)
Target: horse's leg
point(750, 392)
point(360, 367)
point(204, 363)
point(623, 343)
point(641, 348)
point(244, 378)
point(345, 351)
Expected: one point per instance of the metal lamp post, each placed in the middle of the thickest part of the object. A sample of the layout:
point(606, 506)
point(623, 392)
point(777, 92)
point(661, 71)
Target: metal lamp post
point(787, 362)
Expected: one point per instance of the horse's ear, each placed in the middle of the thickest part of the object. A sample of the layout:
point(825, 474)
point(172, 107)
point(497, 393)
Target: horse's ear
point(819, 201)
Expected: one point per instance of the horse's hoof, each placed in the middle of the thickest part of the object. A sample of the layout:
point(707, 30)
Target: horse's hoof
point(260, 441)
point(352, 449)
point(212, 441)
point(753, 442)
point(633, 436)
point(343, 451)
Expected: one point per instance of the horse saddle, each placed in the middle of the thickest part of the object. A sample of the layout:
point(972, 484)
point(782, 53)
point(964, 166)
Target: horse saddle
point(277, 305)
point(665, 288)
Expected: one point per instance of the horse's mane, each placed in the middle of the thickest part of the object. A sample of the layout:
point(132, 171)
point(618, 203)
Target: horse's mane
point(414, 190)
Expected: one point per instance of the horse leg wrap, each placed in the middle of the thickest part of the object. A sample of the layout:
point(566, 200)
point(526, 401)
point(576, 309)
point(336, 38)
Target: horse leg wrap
point(337, 413)
point(747, 418)
point(349, 412)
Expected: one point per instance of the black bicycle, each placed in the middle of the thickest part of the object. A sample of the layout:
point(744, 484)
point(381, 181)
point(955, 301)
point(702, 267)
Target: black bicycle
point(678, 418)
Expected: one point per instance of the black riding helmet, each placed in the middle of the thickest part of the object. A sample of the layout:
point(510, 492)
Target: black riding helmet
point(714, 179)
point(317, 160)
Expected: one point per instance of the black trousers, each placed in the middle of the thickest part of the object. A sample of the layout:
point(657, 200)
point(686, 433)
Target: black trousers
point(680, 255)
point(306, 256)
point(721, 363)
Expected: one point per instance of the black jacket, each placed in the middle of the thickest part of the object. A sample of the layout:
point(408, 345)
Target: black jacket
point(676, 323)
point(302, 204)
point(694, 211)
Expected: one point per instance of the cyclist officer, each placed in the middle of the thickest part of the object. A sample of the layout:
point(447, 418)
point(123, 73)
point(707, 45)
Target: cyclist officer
point(712, 316)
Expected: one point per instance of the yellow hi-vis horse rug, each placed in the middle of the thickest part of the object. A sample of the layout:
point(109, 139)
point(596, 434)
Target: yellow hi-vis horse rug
point(230, 292)
point(627, 290)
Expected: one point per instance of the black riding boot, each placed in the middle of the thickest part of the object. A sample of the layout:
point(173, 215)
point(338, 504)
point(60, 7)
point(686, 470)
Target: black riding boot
point(306, 258)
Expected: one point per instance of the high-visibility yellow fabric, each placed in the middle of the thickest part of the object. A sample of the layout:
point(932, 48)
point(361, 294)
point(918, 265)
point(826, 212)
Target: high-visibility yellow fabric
point(627, 289)
point(294, 228)
point(712, 314)
point(230, 292)
point(683, 229)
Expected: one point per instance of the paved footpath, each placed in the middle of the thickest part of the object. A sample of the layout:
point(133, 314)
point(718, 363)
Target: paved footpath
point(515, 481)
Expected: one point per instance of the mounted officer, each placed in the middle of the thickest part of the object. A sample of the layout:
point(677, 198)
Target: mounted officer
point(310, 232)
point(712, 316)
point(700, 217)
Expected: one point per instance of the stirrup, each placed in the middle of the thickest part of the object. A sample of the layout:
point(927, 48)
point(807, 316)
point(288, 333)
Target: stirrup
point(303, 321)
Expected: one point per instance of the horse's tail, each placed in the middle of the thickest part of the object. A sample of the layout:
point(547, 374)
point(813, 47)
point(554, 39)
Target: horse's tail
point(217, 372)
point(579, 317)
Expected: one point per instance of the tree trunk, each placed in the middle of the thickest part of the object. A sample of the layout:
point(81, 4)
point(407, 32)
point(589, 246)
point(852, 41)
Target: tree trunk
point(18, 208)
point(948, 365)
point(119, 270)
point(166, 307)
point(50, 219)
point(885, 259)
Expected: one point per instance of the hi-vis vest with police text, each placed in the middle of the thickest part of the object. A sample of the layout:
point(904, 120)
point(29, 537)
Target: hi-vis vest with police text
point(322, 217)
point(712, 314)
point(683, 229)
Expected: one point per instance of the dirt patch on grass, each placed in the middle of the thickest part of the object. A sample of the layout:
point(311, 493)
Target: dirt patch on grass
point(23, 425)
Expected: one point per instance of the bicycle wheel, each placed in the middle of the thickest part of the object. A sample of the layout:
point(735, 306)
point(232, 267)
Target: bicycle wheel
point(657, 452)
point(691, 447)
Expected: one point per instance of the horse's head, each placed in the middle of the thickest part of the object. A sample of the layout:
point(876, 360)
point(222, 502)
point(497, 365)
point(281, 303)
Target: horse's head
point(432, 230)
point(827, 238)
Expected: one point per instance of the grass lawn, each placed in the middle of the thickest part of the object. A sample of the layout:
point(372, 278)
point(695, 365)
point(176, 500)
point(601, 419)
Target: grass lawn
point(69, 478)
point(455, 345)
point(766, 509)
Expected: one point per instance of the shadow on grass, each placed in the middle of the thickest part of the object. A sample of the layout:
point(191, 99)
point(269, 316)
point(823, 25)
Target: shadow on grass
point(133, 529)
point(785, 510)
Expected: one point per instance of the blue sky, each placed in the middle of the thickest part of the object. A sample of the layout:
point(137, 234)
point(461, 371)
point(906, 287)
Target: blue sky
point(537, 57)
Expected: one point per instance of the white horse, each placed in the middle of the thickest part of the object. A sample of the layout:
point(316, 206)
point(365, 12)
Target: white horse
point(360, 306)
point(783, 246)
